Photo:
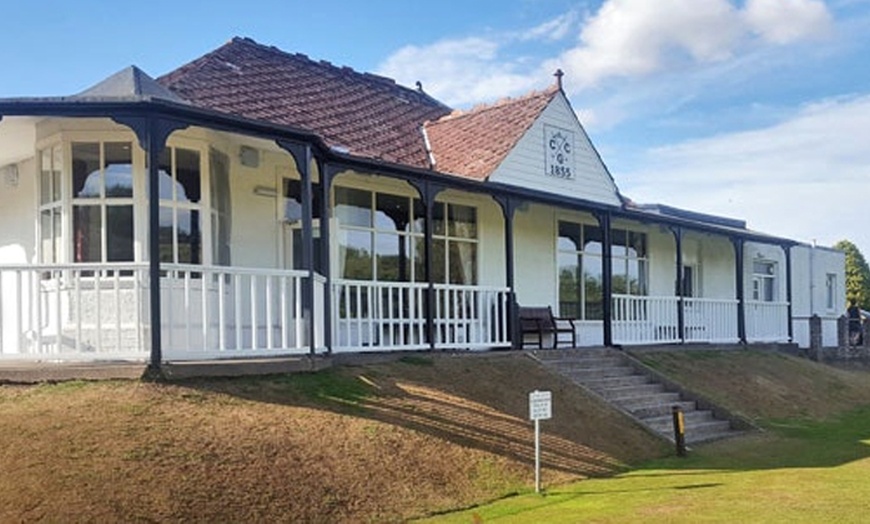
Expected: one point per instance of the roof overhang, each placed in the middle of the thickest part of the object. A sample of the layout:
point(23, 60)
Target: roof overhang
point(126, 109)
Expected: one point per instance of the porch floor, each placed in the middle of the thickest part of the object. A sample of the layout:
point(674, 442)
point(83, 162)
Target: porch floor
point(31, 372)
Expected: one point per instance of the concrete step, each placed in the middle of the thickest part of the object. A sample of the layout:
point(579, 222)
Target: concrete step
point(595, 373)
point(606, 383)
point(704, 432)
point(644, 402)
point(630, 392)
point(664, 423)
point(593, 362)
point(571, 354)
point(662, 409)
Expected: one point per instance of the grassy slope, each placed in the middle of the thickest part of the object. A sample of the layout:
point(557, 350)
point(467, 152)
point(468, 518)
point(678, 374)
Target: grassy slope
point(812, 465)
point(371, 443)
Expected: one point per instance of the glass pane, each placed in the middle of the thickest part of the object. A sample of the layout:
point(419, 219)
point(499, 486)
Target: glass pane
point(118, 167)
point(462, 259)
point(637, 244)
point(355, 252)
point(392, 258)
point(768, 290)
point(46, 236)
point(353, 207)
point(569, 236)
point(167, 228)
point(419, 258)
point(439, 261)
point(87, 228)
point(592, 239)
point(56, 166)
point(45, 177)
point(593, 283)
point(419, 218)
point(119, 233)
point(463, 221)
point(438, 220)
point(165, 175)
point(56, 231)
point(392, 213)
point(189, 237)
point(87, 181)
point(188, 176)
point(617, 242)
point(620, 277)
point(569, 285)
point(636, 277)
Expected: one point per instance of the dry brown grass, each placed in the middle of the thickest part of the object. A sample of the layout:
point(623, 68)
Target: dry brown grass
point(382, 442)
point(763, 385)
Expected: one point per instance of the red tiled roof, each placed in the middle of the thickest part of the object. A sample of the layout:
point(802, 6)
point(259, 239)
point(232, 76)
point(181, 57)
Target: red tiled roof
point(473, 144)
point(364, 114)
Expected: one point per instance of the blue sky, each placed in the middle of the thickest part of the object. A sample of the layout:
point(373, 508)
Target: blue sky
point(756, 109)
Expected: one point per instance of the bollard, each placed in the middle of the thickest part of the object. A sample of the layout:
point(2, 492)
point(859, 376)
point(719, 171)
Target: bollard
point(679, 431)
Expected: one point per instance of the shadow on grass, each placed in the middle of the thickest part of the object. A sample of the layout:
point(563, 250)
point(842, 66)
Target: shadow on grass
point(448, 415)
point(442, 414)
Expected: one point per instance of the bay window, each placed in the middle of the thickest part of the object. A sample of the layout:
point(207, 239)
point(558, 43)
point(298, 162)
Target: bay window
point(102, 201)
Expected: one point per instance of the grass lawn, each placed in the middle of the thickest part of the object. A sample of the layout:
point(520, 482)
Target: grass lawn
point(797, 471)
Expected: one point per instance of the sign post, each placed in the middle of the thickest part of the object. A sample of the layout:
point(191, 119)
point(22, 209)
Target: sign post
point(540, 408)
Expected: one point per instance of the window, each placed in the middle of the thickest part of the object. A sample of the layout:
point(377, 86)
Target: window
point(180, 175)
point(580, 275)
point(831, 291)
point(690, 282)
point(381, 238)
point(50, 208)
point(629, 254)
point(102, 201)
point(763, 281)
point(221, 223)
point(454, 244)
point(292, 217)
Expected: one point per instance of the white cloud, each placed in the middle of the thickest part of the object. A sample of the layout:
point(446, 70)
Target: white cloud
point(552, 30)
point(805, 178)
point(786, 21)
point(624, 39)
point(459, 72)
point(633, 38)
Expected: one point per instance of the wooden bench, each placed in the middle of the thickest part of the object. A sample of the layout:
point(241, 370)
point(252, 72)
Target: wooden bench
point(540, 321)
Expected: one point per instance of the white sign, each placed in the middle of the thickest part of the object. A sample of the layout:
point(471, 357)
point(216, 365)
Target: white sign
point(540, 405)
point(559, 152)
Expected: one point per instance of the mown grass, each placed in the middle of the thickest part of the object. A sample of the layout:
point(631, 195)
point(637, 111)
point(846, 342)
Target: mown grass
point(798, 472)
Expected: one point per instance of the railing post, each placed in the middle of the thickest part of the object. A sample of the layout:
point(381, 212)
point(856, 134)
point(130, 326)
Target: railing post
point(681, 320)
point(741, 302)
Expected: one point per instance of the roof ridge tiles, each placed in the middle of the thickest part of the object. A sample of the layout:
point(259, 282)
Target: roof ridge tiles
point(498, 104)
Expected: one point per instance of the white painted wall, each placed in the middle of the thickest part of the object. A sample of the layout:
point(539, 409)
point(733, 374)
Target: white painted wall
point(810, 268)
point(18, 208)
point(524, 165)
point(753, 251)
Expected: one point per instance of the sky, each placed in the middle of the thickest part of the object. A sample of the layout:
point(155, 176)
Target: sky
point(751, 109)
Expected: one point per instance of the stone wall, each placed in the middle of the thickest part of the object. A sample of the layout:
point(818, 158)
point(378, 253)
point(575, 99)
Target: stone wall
point(847, 349)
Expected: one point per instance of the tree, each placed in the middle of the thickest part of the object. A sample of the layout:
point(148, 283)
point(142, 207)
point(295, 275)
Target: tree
point(857, 274)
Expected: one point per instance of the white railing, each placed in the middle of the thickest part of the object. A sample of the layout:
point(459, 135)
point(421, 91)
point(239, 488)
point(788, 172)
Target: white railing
point(74, 312)
point(228, 312)
point(378, 316)
point(710, 320)
point(766, 321)
point(471, 317)
point(645, 320)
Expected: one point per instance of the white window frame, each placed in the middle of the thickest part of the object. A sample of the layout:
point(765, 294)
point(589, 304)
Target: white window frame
point(831, 291)
point(584, 256)
point(760, 281)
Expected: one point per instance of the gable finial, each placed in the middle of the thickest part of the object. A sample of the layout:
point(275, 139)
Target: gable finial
point(559, 74)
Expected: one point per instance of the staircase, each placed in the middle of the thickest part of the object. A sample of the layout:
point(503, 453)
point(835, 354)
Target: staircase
point(606, 373)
